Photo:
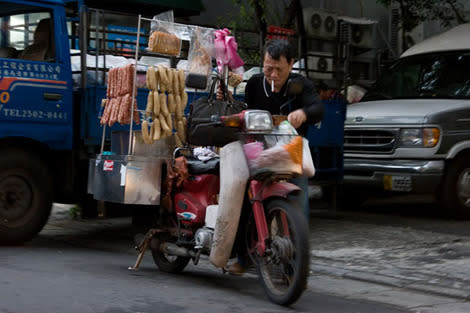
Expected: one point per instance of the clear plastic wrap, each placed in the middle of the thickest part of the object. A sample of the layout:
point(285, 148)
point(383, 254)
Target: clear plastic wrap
point(166, 36)
point(281, 151)
point(278, 153)
point(201, 50)
point(308, 169)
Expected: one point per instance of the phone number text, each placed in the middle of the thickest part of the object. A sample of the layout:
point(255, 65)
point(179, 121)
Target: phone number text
point(34, 114)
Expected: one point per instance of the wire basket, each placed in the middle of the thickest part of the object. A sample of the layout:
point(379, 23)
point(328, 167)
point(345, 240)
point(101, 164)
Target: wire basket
point(273, 153)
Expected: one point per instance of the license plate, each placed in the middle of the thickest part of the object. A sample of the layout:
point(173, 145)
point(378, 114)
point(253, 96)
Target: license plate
point(397, 183)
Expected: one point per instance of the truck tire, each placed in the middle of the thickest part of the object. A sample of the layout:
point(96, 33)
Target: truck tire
point(26, 195)
point(455, 198)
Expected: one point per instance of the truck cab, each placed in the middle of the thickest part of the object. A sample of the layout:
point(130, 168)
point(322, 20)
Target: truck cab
point(36, 114)
point(411, 131)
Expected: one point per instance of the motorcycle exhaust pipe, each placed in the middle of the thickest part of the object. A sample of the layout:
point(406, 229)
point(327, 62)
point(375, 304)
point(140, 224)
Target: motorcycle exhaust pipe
point(171, 249)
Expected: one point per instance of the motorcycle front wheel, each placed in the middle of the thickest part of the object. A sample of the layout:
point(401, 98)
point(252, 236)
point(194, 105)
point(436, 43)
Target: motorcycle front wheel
point(284, 268)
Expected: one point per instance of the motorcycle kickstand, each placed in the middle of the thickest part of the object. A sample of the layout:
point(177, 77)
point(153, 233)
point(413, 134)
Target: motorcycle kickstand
point(142, 247)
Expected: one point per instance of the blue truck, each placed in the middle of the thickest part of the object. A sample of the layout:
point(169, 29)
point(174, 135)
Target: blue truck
point(49, 108)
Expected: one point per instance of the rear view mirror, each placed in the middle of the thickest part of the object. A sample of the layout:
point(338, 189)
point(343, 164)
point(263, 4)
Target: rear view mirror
point(196, 81)
point(295, 87)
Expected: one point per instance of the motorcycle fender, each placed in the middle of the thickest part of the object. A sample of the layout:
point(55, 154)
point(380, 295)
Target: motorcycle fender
point(280, 189)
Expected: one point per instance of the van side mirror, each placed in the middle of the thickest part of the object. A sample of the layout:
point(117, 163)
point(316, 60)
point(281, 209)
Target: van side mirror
point(196, 81)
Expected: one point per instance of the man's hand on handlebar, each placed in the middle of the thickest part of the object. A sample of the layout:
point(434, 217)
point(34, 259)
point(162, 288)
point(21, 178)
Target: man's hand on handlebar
point(297, 118)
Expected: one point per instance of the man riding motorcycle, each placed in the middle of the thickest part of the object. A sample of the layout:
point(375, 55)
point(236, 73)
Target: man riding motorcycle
point(268, 91)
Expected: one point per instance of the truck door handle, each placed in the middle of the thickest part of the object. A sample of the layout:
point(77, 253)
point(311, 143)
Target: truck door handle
point(52, 96)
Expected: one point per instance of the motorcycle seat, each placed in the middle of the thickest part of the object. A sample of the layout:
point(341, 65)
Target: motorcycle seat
point(198, 167)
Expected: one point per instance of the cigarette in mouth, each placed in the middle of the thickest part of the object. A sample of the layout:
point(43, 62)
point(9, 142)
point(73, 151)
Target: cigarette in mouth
point(272, 86)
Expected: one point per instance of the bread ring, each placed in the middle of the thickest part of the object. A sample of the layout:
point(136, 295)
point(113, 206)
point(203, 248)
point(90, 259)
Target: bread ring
point(164, 124)
point(181, 79)
point(157, 130)
point(156, 103)
point(151, 81)
point(171, 103)
point(145, 132)
point(150, 101)
point(169, 73)
point(181, 130)
point(179, 107)
point(176, 82)
point(162, 70)
point(169, 122)
point(163, 105)
point(178, 141)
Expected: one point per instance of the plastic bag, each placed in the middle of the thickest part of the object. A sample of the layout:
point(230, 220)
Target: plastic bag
point(201, 50)
point(226, 47)
point(308, 169)
point(166, 36)
point(275, 153)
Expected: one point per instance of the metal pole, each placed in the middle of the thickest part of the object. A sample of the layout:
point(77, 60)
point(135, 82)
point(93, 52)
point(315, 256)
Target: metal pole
point(103, 136)
point(97, 43)
point(103, 28)
point(83, 44)
point(133, 85)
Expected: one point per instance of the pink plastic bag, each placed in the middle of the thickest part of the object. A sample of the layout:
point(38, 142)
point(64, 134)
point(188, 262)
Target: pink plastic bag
point(226, 50)
point(252, 151)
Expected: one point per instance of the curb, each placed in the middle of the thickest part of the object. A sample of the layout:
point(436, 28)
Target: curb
point(390, 281)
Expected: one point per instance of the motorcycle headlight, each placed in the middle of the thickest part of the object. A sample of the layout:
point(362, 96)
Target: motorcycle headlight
point(258, 120)
point(419, 137)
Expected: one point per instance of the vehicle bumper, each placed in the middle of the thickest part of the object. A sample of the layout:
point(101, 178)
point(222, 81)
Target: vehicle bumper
point(414, 176)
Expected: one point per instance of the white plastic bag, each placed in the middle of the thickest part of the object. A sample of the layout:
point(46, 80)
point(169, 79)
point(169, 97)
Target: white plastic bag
point(308, 169)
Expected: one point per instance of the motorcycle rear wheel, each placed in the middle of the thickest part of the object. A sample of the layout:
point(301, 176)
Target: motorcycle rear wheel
point(284, 271)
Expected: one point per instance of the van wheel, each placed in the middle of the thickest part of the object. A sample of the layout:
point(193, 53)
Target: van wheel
point(25, 196)
point(455, 199)
point(350, 198)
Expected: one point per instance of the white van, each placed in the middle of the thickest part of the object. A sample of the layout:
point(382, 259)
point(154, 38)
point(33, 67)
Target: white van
point(411, 131)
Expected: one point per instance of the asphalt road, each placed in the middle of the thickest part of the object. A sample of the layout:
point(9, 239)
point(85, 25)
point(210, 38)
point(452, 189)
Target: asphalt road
point(78, 266)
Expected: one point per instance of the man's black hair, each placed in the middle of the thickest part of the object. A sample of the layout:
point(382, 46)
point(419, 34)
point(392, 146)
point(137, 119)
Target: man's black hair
point(277, 48)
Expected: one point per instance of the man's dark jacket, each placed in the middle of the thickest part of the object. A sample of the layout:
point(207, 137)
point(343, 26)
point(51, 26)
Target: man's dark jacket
point(258, 95)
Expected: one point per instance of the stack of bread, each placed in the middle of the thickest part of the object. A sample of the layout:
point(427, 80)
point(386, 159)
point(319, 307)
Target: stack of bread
point(166, 101)
point(164, 43)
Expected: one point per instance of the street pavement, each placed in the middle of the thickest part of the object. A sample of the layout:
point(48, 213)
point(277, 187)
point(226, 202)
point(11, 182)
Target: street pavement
point(355, 255)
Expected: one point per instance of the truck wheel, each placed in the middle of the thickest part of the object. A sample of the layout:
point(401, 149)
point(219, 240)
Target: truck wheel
point(455, 199)
point(25, 196)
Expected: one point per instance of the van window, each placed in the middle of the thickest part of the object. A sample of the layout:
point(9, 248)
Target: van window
point(444, 75)
point(27, 35)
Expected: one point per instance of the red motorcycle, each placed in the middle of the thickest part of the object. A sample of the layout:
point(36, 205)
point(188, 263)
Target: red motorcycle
point(202, 215)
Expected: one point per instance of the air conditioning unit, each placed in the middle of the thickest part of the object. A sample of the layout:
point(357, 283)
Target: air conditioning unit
point(357, 32)
point(319, 23)
point(362, 36)
point(322, 65)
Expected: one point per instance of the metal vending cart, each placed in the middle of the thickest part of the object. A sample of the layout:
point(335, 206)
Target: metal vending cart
point(131, 173)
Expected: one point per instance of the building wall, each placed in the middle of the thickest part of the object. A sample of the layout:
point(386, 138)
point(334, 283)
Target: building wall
point(354, 8)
